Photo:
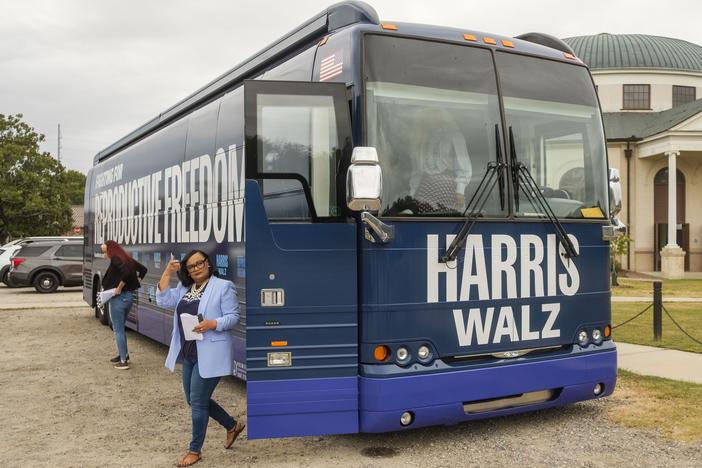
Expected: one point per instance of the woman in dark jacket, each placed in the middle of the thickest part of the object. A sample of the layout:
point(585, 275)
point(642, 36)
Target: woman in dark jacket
point(124, 275)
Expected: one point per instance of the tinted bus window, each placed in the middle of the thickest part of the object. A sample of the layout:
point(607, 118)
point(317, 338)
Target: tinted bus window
point(299, 137)
point(431, 112)
point(553, 112)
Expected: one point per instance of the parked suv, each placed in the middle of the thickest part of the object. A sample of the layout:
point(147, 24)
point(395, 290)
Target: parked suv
point(8, 250)
point(46, 265)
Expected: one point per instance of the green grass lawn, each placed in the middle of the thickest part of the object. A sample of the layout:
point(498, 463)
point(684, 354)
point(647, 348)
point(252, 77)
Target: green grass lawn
point(640, 330)
point(670, 406)
point(672, 288)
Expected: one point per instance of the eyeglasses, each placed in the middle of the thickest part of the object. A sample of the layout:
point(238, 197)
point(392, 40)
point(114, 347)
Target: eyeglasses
point(196, 266)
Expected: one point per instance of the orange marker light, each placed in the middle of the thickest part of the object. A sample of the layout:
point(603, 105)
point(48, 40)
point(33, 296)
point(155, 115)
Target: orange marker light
point(388, 26)
point(607, 331)
point(507, 43)
point(470, 37)
point(324, 40)
point(381, 353)
point(489, 40)
point(279, 343)
point(569, 56)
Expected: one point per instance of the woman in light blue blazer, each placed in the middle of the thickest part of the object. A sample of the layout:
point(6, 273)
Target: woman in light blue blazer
point(205, 361)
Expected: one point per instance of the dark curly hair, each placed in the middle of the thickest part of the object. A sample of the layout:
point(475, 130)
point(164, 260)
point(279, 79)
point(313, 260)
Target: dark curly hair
point(184, 275)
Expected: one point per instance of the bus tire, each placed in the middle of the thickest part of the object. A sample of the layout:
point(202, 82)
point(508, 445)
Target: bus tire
point(46, 282)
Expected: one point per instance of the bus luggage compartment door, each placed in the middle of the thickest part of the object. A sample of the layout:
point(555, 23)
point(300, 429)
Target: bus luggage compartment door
point(301, 294)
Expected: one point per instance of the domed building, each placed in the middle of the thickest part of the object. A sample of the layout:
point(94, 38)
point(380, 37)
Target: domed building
point(649, 89)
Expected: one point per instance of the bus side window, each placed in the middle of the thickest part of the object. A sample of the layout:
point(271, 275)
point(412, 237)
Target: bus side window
point(298, 141)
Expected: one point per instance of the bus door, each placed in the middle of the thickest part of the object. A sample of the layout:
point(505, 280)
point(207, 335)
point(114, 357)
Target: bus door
point(301, 294)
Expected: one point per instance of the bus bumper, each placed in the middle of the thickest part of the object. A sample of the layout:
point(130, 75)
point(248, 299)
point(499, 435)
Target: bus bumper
point(439, 398)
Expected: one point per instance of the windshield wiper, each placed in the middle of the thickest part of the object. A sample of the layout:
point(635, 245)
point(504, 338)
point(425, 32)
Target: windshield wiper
point(498, 158)
point(521, 175)
point(493, 175)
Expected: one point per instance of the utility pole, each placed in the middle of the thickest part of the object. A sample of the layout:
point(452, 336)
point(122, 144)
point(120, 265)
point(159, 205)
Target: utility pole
point(59, 142)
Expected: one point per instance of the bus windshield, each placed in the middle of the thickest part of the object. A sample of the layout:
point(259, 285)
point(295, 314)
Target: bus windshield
point(431, 112)
point(552, 111)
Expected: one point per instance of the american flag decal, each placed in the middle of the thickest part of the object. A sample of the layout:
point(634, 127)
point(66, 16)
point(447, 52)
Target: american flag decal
point(328, 69)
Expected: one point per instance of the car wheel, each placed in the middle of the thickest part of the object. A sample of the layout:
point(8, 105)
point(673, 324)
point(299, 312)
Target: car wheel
point(46, 282)
point(102, 311)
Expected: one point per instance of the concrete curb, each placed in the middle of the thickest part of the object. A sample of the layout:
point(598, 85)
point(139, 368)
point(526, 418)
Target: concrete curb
point(660, 362)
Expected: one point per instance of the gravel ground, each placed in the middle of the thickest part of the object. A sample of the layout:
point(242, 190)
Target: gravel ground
point(64, 405)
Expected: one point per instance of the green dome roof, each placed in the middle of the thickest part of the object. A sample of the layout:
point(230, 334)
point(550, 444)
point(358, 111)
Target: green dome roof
point(604, 50)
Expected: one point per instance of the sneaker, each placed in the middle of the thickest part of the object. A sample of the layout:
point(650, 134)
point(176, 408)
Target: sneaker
point(122, 365)
point(116, 359)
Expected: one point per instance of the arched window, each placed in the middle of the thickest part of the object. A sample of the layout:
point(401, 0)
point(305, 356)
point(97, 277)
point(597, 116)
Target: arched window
point(661, 177)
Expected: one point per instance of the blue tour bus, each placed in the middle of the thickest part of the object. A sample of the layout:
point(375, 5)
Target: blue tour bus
point(416, 219)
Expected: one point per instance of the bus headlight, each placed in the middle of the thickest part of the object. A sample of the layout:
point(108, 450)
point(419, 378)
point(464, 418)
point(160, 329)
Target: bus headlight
point(402, 355)
point(597, 336)
point(583, 338)
point(424, 354)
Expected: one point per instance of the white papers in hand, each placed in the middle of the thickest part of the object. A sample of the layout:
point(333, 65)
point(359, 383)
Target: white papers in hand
point(189, 322)
point(105, 296)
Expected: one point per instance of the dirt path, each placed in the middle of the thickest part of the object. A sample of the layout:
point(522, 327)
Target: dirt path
point(64, 405)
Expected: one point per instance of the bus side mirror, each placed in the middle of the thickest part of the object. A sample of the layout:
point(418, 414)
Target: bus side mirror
point(615, 193)
point(364, 180)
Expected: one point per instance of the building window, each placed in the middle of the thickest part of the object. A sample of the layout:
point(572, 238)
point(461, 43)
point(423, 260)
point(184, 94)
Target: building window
point(683, 95)
point(637, 97)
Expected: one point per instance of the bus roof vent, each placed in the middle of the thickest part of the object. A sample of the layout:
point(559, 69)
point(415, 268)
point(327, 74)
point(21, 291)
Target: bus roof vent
point(546, 40)
point(345, 13)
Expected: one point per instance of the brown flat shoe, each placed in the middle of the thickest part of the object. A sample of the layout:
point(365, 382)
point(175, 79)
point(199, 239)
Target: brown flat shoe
point(233, 434)
point(190, 459)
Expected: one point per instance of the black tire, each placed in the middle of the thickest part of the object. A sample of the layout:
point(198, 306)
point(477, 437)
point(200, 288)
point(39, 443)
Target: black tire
point(102, 312)
point(46, 282)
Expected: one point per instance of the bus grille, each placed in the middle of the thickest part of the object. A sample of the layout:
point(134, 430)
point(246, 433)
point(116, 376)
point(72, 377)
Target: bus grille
point(500, 356)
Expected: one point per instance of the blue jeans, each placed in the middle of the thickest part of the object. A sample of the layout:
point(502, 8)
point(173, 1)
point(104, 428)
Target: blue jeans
point(198, 393)
point(119, 309)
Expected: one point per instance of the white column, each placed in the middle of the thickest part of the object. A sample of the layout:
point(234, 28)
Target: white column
point(672, 199)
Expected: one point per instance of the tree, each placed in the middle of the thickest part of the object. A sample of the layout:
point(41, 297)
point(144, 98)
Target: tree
point(617, 247)
point(75, 184)
point(34, 187)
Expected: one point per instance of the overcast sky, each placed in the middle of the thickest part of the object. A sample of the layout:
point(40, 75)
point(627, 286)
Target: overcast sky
point(101, 68)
